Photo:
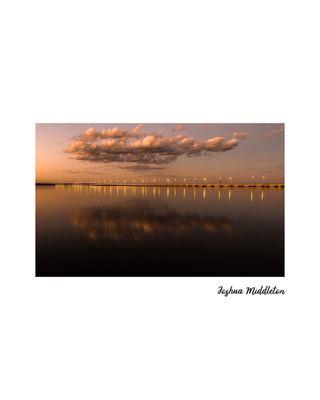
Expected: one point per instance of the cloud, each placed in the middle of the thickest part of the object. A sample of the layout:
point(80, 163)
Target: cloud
point(137, 129)
point(180, 129)
point(72, 171)
point(141, 167)
point(241, 135)
point(87, 171)
point(69, 171)
point(275, 132)
point(137, 149)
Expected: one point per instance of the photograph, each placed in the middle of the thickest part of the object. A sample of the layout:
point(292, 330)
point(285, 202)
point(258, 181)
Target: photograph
point(160, 202)
point(160, 199)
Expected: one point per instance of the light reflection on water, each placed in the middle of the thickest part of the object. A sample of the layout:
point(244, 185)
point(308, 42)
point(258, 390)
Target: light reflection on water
point(159, 230)
point(139, 222)
point(159, 191)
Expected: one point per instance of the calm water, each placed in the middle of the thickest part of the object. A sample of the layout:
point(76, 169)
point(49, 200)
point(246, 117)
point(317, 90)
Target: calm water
point(153, 231)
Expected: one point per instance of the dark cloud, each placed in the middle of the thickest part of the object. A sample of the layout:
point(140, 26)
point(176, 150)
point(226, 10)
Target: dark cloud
point(141, 167)
point(136, 150)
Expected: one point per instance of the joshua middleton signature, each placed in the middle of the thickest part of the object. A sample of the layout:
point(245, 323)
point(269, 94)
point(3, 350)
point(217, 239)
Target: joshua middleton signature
point(253, 290)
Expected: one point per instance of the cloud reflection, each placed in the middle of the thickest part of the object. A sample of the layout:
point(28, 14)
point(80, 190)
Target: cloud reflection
point(141, 222)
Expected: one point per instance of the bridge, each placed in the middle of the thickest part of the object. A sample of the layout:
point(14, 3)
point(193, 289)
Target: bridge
point(192, 185)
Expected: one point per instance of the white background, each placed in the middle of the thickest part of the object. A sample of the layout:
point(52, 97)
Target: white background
point(158, 61)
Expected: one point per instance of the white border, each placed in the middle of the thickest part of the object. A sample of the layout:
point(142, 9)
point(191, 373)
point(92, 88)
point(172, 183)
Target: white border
point(125, 61)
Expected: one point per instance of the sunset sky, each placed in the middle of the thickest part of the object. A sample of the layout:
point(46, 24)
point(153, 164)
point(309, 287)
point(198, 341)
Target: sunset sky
point(99, 152)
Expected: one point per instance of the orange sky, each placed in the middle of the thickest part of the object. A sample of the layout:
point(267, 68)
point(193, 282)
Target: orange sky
point(159, 151)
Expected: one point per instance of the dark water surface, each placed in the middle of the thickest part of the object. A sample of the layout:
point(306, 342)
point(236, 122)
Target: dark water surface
point(159, 231)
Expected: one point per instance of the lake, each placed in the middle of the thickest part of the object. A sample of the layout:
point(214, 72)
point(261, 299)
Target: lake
point(84, 230)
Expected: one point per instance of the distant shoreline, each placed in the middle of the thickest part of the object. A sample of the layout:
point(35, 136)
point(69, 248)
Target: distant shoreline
point(206, 185)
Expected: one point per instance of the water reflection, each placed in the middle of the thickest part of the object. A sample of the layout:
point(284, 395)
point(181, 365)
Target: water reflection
point(169, 192)
point(159, 231)
point(142, 221)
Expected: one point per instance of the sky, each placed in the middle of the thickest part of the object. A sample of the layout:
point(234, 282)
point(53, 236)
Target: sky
point(145, 152)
